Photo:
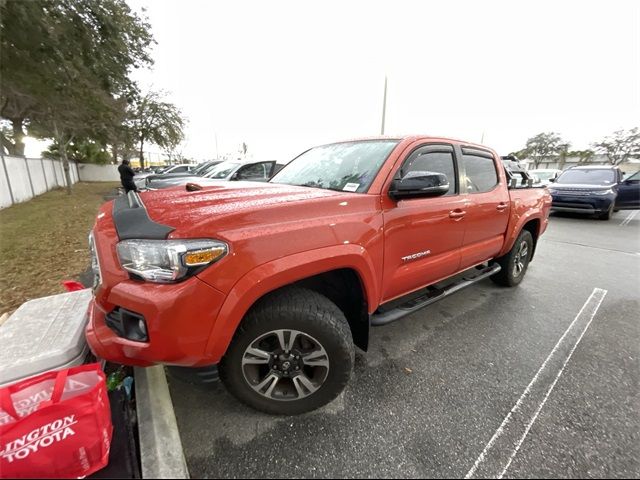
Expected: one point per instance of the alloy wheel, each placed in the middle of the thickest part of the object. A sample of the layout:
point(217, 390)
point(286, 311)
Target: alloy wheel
point(285, 365)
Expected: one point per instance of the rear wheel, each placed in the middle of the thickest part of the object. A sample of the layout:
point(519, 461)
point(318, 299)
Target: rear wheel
point(515, 263)
point(293, 353)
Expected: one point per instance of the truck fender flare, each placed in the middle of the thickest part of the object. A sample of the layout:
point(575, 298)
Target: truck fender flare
point(279, 273)
point(515, 229)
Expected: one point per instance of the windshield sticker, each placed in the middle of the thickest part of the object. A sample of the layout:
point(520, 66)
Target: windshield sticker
point(351, 187)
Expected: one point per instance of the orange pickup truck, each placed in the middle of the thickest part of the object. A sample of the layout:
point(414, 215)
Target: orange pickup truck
point(275, 283)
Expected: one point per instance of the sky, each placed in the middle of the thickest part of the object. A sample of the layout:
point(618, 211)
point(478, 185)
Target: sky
point(284, 76)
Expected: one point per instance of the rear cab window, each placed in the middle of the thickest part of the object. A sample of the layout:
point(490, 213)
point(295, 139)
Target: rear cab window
point(479, 171)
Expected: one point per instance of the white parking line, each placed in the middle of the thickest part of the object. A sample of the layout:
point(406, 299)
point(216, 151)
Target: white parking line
point(628, 218)
point(498, 454)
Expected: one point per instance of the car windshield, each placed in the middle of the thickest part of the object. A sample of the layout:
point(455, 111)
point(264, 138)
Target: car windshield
point(587, 176)
point(200, 169)
point(222, 170)
point(543, 175)
point(349, 166)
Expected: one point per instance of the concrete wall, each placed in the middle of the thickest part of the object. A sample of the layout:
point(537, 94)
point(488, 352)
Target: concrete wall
point(98, 173)
point(22, 178)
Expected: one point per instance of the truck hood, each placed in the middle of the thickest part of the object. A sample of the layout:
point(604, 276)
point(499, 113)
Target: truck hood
point(247, 202)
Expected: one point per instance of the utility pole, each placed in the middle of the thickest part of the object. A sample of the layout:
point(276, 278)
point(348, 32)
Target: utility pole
point(384, 106)
point(482, 139)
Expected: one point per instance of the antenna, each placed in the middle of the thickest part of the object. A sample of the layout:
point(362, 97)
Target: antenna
point(384, 106)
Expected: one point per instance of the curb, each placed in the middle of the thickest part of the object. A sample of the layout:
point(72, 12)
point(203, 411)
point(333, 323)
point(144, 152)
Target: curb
point(161, 452)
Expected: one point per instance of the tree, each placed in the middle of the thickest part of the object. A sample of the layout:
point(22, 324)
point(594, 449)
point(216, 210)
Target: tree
point(65, 68)
point(563, 153)
point(620, 146)
point(584, 156)
point(83, 150)
point(156, 121)
point(544, 146)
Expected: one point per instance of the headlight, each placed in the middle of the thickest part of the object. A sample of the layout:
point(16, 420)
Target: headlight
point(602, 192)
point(164, 261)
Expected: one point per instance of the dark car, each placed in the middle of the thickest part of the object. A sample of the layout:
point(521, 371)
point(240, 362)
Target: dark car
point(595, 190)
point(252, 171)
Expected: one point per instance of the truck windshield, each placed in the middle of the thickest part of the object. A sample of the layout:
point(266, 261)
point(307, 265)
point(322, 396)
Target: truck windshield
point(349, 166)
point(587, 176)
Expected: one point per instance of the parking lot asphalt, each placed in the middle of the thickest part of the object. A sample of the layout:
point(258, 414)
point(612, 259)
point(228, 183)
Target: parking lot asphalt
point(543, 379)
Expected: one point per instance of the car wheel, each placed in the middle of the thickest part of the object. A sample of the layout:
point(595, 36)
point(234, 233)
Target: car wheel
point(293, 353)
point(607, 215)
point(515, 263)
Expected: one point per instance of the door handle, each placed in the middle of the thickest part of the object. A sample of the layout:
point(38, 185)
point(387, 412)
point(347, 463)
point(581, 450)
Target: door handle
point(457, 213)
point(502, 206)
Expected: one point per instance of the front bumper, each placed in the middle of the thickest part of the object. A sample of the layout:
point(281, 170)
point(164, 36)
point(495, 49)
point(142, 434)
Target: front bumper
point(179, 319)
point(582, 204)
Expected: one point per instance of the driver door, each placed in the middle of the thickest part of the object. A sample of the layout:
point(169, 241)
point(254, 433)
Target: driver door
point(629, 192)
point(423, 236)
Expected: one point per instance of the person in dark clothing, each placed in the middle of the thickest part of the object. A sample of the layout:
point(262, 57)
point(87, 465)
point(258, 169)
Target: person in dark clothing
point(126, 176)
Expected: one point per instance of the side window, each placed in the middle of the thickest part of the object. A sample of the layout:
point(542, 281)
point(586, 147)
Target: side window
point(255, 171)
point(180, 170)
point(423, 160)
point(481, 175)
point(634, 178)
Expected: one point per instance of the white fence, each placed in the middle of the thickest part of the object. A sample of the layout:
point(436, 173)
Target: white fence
point(98, 173)
point(22, 178)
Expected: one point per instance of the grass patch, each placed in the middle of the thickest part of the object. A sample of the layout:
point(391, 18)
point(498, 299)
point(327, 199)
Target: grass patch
point(44, 241)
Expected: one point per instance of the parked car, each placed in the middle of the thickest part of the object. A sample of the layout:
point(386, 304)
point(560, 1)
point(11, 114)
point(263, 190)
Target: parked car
point(253, 171)
point(198, 171)
point(544, 176)
point(594, 190)
point(276, 282)
point(139, 179)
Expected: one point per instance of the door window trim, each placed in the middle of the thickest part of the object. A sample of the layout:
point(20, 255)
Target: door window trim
point(433, 147)
point(478, 152)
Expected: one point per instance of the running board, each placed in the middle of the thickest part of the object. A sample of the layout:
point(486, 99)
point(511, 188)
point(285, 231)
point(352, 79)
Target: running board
point(382, 318)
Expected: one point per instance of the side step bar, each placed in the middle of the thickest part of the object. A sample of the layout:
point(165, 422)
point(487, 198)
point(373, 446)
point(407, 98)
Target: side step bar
point(382, 318)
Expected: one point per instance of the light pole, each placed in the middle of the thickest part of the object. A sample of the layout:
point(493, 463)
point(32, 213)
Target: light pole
point(384, 106)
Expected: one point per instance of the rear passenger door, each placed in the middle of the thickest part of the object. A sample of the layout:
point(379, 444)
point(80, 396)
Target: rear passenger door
point(486, 206)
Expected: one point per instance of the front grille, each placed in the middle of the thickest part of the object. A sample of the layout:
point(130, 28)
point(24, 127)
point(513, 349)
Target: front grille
point(585, 206)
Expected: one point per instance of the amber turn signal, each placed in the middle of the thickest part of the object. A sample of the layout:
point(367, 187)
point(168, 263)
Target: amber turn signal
point(202, 257)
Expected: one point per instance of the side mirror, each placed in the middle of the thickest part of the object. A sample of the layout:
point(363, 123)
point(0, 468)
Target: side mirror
point(419, 184)
point(552, 179)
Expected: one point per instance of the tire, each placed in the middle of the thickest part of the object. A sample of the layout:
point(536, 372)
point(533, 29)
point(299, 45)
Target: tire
point(321, 336)
point(510, 276)
point(607, 214)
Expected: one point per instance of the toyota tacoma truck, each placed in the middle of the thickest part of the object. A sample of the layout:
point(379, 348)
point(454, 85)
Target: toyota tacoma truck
point(276, 283)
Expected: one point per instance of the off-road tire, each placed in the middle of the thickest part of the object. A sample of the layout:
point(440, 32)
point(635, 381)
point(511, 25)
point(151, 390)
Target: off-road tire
point(508, 276)
point(297, 309)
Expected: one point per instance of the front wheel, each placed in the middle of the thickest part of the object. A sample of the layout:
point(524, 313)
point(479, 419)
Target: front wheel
point(292, 354)
point(607, 215)
point(515, 263)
